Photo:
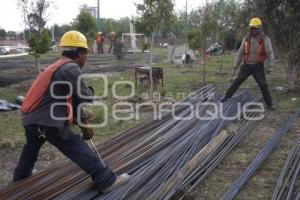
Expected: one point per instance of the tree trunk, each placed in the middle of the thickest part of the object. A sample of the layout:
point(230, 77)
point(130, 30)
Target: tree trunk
point(37, 62)
point(222, 61)
point(171, 49)
point(292, 76)
point(150, 69)
point(292, 70)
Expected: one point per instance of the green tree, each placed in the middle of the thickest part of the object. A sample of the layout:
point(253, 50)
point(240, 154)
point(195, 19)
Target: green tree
point(154, 12)
point(34, 13)
point(11, 34)
point(118, 26)
point(122, 26)
point(195, 39)
point(39, 45)
point(226, 15)
point(60, 30)
point(221, 17)
point(2, 34)
point(86, 24)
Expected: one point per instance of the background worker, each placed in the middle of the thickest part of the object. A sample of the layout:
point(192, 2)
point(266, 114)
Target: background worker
point(255, 51)
point(171, 46)
point(47, 117)
point(112, 39)
point(100, 42)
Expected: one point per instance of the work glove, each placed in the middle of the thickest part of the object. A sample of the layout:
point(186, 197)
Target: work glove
point(87, 132)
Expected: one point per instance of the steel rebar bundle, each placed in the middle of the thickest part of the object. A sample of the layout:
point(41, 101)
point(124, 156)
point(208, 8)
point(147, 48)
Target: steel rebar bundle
point(156, 153)
point(148, 181)
point(207, 163)
point(285, 186)
point(261, 157)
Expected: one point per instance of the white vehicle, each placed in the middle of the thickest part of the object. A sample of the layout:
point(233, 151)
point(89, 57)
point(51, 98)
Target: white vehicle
point(164, 45)
point(4, 50)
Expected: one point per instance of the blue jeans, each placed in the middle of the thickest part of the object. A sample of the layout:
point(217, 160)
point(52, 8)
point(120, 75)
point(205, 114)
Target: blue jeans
point(71, 145)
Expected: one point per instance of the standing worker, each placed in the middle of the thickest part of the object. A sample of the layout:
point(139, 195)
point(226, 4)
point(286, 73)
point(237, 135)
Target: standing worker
point(112, 39)
point(48, 112)
point(100, 42)
point(171, 46)
point(255, 51)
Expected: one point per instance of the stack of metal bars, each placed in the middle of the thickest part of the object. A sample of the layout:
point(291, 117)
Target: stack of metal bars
point(152, 152)
point(175, 153)
point(194, 173)
point(286, 184)
point(261, 157)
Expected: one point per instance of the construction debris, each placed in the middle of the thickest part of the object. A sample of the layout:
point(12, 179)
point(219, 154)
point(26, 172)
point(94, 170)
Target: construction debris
point(215, 49)
point(7, 106)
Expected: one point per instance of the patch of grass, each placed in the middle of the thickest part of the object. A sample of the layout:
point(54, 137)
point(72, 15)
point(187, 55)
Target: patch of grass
point(48, 55)
point(6, 95)
point(11, 128)
point(10, 122)
point(10, 94)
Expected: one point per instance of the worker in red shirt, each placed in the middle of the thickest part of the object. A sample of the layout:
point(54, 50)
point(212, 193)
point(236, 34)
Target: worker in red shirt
point(100, 42)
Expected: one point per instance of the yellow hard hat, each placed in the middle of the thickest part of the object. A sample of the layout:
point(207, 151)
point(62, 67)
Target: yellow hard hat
point(255, 22)
point(100, 33)
point(73, 39)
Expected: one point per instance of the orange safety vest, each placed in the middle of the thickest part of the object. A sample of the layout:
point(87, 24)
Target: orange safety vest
point(37, 91)
point(99, 39)
point(261, 53)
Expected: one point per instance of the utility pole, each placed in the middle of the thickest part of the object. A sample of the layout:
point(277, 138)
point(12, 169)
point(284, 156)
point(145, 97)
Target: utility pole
point(98, 16)
point(205, 42)
point(53, 38)
point(186, 21)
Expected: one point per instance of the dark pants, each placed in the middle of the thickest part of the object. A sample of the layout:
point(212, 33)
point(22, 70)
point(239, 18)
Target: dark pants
point(258, 72)
point(100, 48)
point(71, 145)
point(111, 45)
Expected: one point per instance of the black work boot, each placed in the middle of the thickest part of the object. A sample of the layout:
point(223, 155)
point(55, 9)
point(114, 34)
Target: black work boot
point(270, 107)
point(223, 99)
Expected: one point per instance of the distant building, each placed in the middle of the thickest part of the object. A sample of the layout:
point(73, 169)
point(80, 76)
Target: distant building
point(91, 10)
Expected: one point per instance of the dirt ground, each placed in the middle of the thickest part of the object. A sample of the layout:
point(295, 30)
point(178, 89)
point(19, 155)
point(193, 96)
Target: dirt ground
point(9, 157)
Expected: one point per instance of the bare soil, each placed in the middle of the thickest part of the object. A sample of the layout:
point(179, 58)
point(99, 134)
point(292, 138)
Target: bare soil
point(9, 156)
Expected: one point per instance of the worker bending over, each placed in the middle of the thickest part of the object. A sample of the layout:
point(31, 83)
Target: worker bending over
point(48, 112)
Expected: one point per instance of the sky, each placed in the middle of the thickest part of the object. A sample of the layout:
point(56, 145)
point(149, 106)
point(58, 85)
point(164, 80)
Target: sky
point(64, 11)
